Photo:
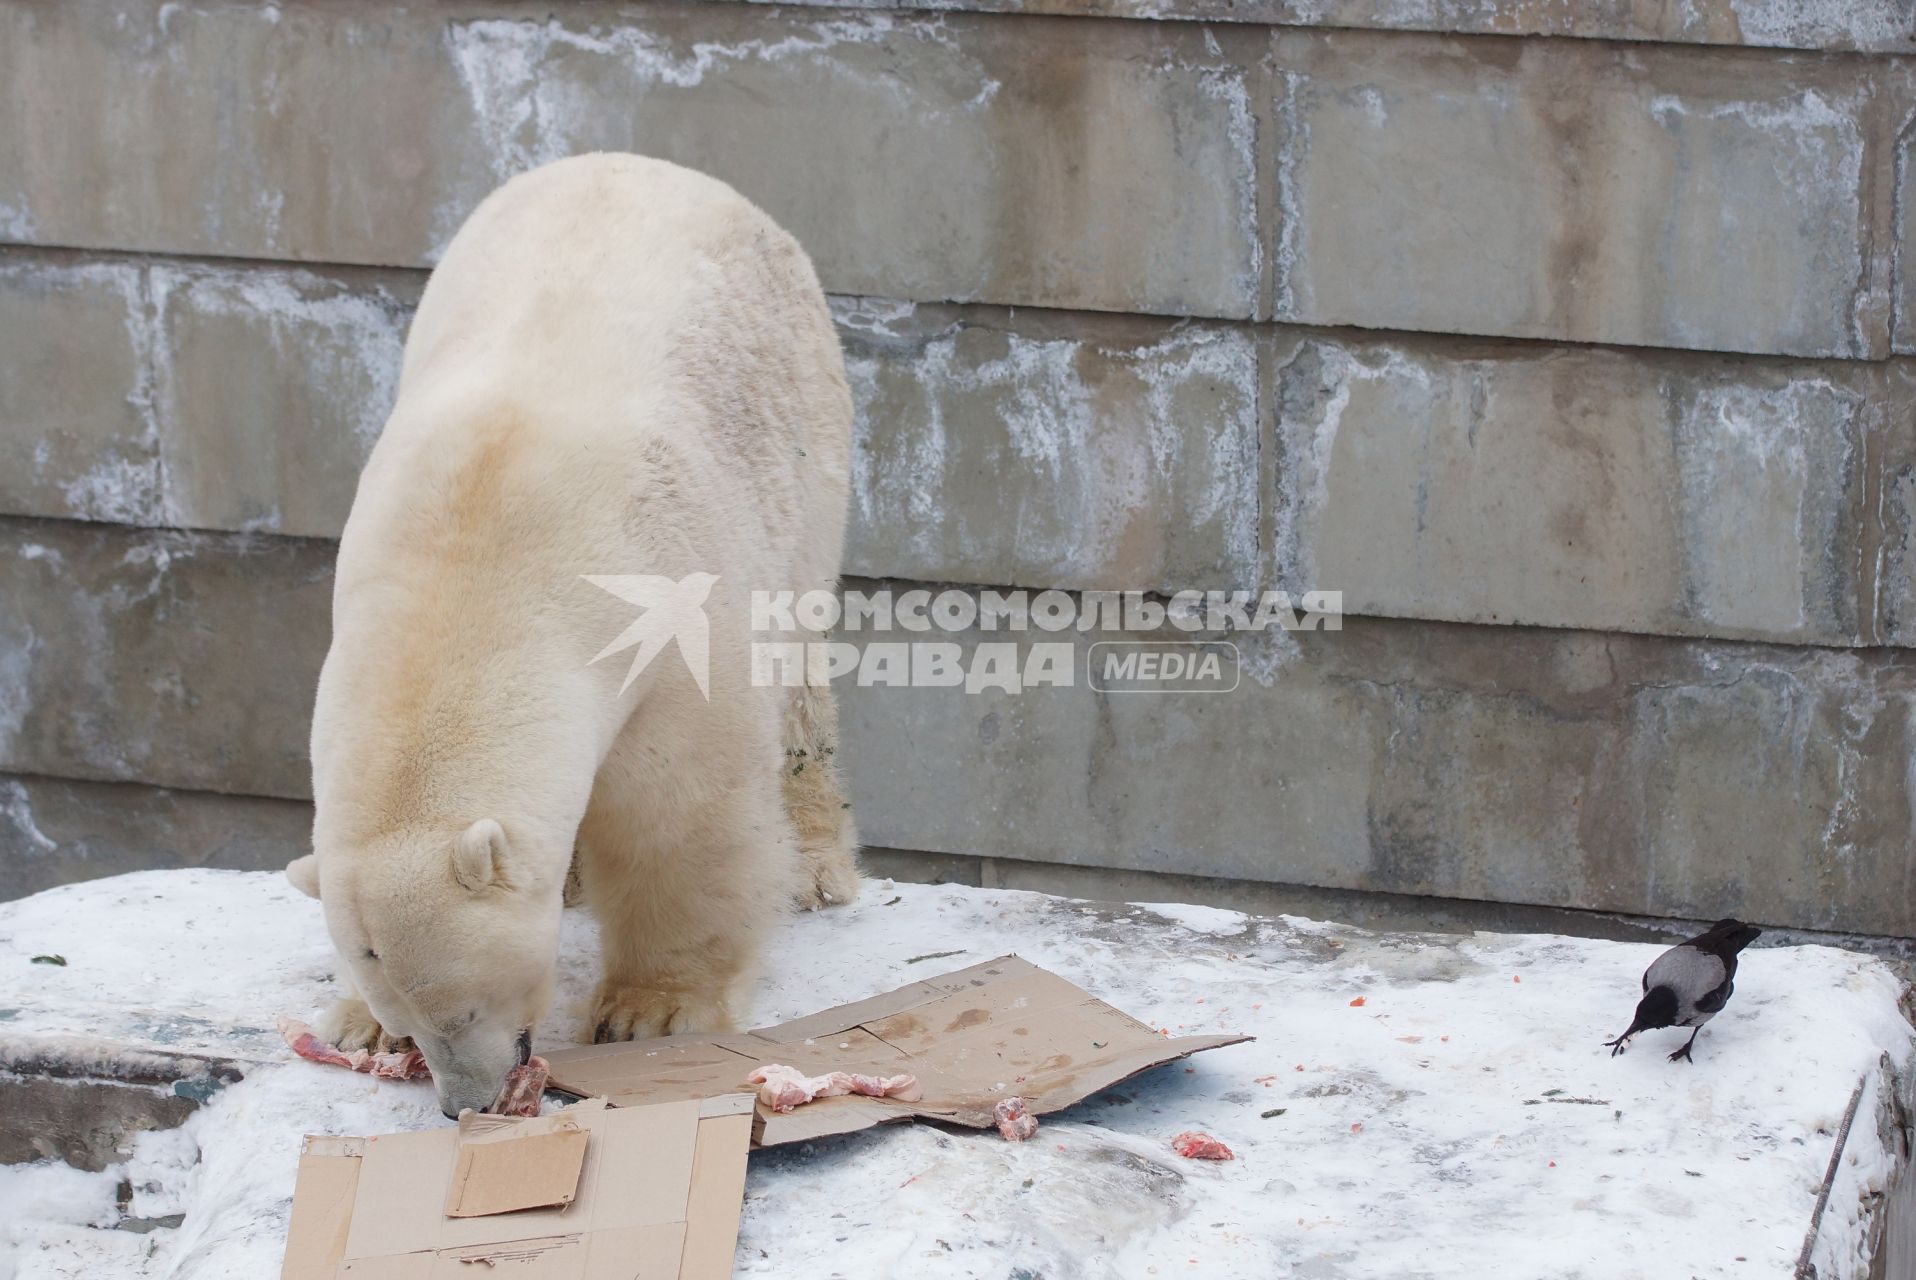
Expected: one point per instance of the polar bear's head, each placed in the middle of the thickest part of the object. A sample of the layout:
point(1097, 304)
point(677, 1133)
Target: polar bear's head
point(448, 945)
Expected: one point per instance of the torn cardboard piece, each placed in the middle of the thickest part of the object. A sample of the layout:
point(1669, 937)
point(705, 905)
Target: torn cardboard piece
point(972, 1039)
point(504, 1166)
point(656, 1192)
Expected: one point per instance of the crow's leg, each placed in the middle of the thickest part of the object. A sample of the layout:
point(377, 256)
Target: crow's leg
point(1684, 1052)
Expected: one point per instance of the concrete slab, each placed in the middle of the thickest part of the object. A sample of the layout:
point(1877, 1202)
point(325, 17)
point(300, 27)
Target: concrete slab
point(1044, 162)
point(1721, 200)
point(1571, 769)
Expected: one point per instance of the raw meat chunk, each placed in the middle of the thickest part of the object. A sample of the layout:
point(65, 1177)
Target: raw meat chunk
point(1015, 1121)
point(409, 1065)
point(1201, 1146)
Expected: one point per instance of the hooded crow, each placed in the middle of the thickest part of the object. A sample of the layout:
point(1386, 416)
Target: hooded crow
point(1689, 983)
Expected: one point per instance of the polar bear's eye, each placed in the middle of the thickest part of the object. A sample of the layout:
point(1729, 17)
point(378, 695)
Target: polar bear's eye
point(371, 954)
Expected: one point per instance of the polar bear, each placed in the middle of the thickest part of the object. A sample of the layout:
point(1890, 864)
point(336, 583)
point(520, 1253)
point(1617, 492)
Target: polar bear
point(621, 370)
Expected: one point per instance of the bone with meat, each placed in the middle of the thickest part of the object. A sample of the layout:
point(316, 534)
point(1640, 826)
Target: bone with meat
point(520, 1096)
point(407, 1065)
point(523, 1088)
point(784, 1088)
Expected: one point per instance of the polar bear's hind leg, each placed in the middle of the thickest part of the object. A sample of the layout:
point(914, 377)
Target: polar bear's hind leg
point(822, 817)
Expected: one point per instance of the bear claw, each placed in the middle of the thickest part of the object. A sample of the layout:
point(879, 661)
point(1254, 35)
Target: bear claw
point(642, 1014)
point(350, 1025)
point(830, 878)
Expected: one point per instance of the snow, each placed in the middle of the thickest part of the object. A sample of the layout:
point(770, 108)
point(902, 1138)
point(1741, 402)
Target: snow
point(1463, 1120)
point(50, 1199)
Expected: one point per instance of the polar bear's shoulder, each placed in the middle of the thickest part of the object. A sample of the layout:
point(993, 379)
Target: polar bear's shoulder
point(582, 273)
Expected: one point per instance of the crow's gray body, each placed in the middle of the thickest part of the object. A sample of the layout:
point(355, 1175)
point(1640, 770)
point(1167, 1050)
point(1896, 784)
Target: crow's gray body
point(1699, 981)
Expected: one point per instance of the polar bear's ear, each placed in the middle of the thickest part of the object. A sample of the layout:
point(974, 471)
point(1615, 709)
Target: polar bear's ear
point(304, 873)
point(476, 855)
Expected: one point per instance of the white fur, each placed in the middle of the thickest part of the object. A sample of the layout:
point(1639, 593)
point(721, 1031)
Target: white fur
point(621, 367)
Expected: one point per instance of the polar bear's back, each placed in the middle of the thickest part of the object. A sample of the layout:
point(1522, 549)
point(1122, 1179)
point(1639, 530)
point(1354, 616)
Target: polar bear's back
point(620, 366)
point(608, 260)
point(622, 306)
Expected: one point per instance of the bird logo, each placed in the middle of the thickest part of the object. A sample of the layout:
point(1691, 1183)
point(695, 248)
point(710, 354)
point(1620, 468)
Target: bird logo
point(670, 611)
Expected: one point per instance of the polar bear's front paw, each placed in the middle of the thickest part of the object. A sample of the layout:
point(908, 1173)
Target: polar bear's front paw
point(830, 877)
point(640, 1013)
point(350, 1025)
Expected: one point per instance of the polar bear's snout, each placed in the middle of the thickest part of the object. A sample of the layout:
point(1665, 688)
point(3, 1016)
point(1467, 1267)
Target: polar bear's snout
point(470, 1063)
point(474, 1075)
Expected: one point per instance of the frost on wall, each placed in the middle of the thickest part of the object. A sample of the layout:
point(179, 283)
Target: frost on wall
point(515, 71)
point(988, 453)
point(17, 818)
point(1609, 491)
point(1894, 559)
point(1578, 191)
point(1785, 174)
point(1790, 24)
point(276, 382)
point(539, 90)
point(1311, 392)
point(189, 394)
point(172, 657)
point(83, 438)
point(1051, 172)
point(1765, 482)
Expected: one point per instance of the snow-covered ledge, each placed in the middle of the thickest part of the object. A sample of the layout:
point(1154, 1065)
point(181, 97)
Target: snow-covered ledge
point(1414, 1104)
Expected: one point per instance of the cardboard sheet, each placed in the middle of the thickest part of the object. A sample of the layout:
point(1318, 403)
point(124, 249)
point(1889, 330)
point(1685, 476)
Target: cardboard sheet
point(655, 1192)
point(1005, 1028)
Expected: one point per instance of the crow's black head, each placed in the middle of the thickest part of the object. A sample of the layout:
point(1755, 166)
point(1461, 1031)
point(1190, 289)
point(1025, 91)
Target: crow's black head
point(1725, 938)
point(1658, 1008)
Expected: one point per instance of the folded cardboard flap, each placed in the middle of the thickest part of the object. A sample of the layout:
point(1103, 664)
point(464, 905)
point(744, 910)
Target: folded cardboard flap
point(505, 1167)
point(972, 1038)
point(653, 1191)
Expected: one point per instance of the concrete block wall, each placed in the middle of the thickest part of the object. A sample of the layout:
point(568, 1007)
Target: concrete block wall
point(1571, 342)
